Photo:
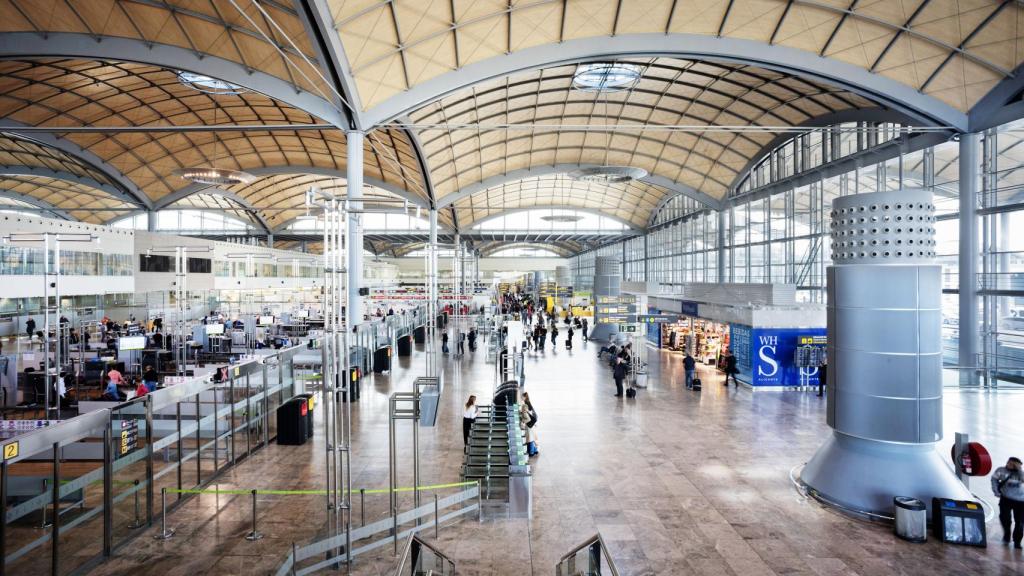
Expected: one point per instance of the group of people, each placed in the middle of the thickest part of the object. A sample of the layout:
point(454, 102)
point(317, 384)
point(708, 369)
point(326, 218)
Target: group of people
point(115, 380)
point(527, 421)
point(547, 325)
point(462, 338)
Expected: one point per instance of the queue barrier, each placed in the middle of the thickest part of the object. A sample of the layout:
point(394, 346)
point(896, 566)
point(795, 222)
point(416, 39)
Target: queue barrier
point(333, 547)
point(224, 434)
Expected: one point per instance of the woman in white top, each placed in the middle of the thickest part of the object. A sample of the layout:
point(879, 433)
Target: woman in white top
point(468, 417)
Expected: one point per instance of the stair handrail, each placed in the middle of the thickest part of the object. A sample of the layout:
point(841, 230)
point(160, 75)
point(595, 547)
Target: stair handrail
point(414, 538)
point(596, 538)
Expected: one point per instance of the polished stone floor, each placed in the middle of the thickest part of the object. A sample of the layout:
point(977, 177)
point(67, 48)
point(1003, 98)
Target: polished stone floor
point(676, 482)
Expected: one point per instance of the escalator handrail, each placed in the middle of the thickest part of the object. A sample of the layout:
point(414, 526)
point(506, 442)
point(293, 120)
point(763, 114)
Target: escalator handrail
point(408, 548)
point(590, 541)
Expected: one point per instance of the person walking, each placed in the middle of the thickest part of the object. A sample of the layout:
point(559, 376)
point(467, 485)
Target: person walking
point(822, 375)
point(468, 417)
point(444, 342)
point(543, 337)
point(30, 327)
point(619, 373)
point(554, 336)
point(472, 339)
point(730, 368)
point(462, 342)
point(586, 324)
point(1008, 486)
point(689, 367)
point(568, 341)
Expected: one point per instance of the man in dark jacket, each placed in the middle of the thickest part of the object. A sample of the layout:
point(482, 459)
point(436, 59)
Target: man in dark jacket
point(619, 374)
point(730, 368)
point(689, 366)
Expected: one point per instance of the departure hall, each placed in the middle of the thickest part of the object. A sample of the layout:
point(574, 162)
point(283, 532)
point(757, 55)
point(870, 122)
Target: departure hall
point(506, 287)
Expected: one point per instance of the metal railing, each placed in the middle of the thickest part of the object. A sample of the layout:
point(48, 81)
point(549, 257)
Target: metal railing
point(422, 558)
point(99, 474)
point(588, 559)
point(324, 554)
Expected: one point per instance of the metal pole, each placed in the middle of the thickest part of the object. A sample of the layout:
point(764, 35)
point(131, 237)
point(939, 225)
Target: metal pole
point(46, 325)
point(968, 259)
point(254, 535)
point(165, 532)
point(362, 506)
point(149, 459)
point(108, 496)
point(55, 527)
point(137, 522)
point(59, 333)
point(392, 472)
point(437, 519)
point(479, 502)
point(181, 450)
point(3, 517)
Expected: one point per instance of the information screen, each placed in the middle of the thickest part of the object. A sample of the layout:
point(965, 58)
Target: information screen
point(266, 320)
point(214, 329)
point(131, 343)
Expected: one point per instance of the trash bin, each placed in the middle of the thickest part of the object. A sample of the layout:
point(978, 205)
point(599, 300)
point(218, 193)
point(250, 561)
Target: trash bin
point(419, 334)
point(291, 422)
point(382, 360)
point(911, 519)
point(309, 412)
point(405, 346)
point(355, 375)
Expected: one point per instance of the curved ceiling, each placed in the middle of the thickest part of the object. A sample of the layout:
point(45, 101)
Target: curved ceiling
point(951, 50)
point(630, 202)
point(274, 43)
point(670, 92)
point(79, 201)
point(90, 93)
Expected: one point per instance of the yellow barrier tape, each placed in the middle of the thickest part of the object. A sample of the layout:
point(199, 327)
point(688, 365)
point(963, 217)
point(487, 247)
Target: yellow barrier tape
point(239, 491)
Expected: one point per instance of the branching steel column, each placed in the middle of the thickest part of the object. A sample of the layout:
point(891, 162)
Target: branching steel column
point(967, 281)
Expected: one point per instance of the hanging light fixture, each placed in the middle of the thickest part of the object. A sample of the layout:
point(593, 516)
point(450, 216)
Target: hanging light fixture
point(606, 77)
point(212, 175)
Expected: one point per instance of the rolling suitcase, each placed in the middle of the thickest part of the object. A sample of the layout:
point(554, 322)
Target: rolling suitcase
point(696, 384)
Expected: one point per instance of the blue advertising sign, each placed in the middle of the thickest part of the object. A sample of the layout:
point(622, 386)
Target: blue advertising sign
point(771, 353)
point(739, 343)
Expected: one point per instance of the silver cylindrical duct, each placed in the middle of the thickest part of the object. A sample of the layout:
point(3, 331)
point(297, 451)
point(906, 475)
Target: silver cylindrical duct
point(563, 279)
point(607, 282)
point(884, 356)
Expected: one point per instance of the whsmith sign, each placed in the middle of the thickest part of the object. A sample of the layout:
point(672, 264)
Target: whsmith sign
point(765, 355)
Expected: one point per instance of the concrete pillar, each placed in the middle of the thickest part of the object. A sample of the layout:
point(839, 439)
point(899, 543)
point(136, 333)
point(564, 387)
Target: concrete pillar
point(354, 241)
point(607, 282)
point(884, 357)
point(968, 285)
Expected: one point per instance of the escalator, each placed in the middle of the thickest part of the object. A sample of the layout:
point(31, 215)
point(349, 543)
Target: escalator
point(588, 559)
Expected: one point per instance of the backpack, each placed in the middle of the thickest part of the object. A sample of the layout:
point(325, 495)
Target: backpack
point(631, 392)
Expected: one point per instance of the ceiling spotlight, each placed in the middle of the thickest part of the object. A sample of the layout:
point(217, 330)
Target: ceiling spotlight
point(215, 176)
point(606, 77)
point(208, 84)
point(608, 174)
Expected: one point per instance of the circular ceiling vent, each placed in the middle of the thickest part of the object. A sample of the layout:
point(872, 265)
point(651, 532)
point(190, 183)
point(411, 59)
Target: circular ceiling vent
point(215, 176)
point(606, 77)
point(608, 174)
point(566, 218)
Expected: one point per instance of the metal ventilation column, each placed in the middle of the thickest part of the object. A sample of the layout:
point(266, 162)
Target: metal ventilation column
point(607, 282)
point(884, 357)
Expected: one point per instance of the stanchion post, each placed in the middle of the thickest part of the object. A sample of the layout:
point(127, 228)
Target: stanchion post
point(437, 519)
point(362, 507)
point(165, 532)
point(295, 559)
point(254, 535)
point(137, 523)
point(479, 503)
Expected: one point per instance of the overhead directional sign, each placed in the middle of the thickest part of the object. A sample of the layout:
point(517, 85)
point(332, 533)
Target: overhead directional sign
point(616, 309)
point(627, 327)
point(617, 319)
point(657, 318)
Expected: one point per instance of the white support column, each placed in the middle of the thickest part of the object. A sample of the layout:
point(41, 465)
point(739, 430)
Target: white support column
point(432, 365)
point(967, 281)
point(151, 221)
point(354, 184)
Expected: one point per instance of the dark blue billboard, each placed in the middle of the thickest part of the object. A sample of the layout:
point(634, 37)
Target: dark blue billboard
point(766, 356)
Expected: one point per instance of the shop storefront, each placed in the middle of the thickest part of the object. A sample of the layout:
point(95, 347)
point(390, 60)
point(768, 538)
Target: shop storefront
point(776, 346)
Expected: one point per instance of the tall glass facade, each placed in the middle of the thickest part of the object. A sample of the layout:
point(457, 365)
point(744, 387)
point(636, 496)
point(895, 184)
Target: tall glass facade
point(778, 233)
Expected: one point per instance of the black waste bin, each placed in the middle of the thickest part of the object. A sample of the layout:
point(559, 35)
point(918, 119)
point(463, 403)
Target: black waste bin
point(382, 360)
point(291, 422)
point(309, 413)
point(405, 346)
point(419, 334)
point(355, 377)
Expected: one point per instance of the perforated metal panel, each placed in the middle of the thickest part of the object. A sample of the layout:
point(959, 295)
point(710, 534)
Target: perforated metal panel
point(883, 227)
